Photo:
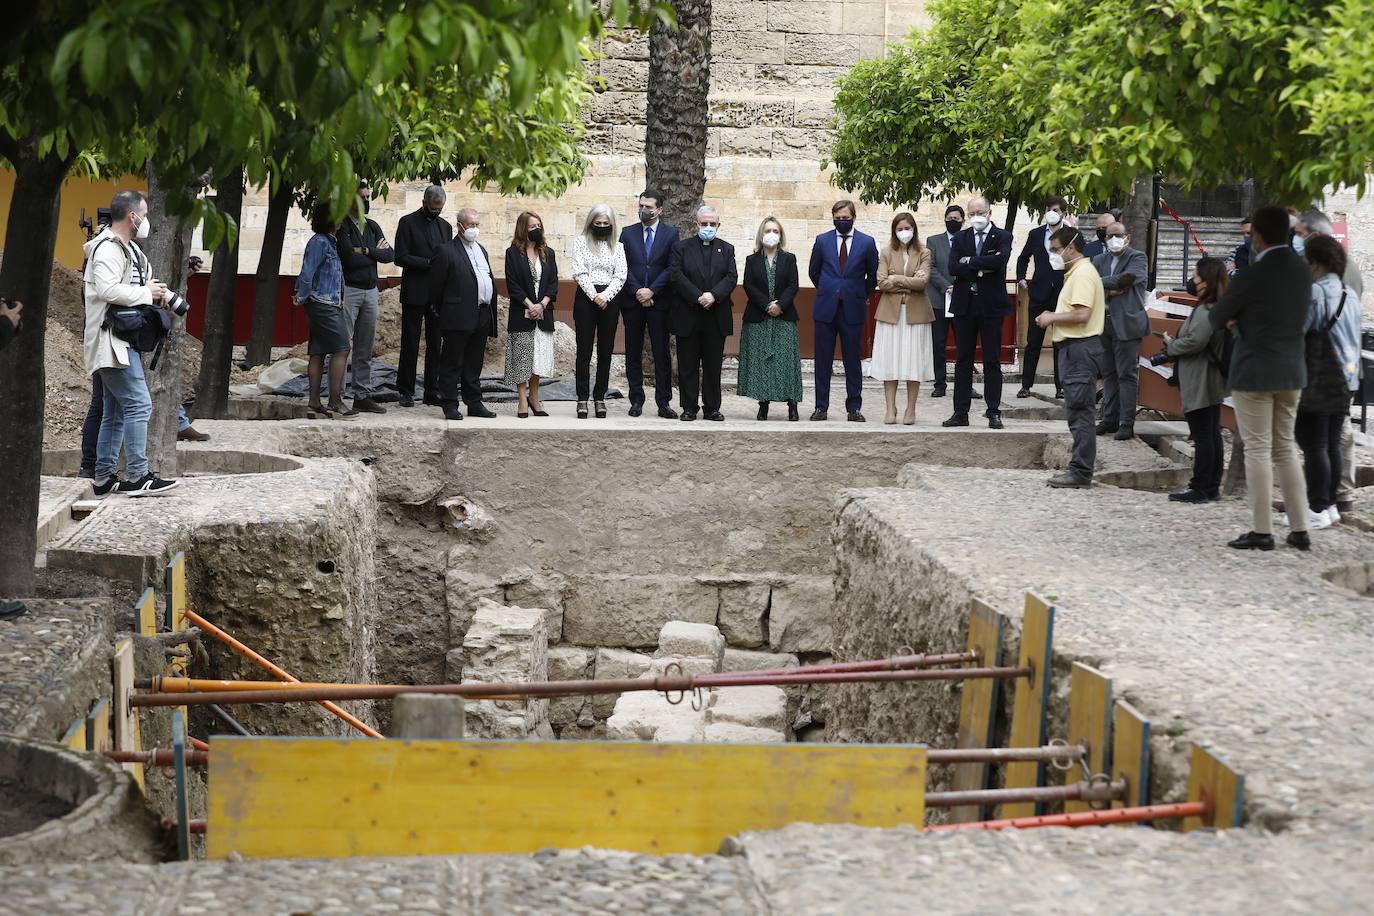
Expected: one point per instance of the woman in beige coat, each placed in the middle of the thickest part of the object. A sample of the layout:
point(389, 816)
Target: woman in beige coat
point(902, 350)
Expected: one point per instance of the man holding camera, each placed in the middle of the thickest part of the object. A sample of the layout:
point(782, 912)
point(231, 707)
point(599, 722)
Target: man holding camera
point(117, 274)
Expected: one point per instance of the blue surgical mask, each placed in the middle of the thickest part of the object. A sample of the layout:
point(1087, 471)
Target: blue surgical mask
point(1299, 244)
point(706, 233)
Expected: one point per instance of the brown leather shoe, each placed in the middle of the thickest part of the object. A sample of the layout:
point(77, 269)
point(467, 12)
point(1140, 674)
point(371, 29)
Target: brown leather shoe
point(191, 434)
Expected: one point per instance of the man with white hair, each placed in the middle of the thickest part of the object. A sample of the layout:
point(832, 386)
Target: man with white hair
point(462, 296)
point(704, 276)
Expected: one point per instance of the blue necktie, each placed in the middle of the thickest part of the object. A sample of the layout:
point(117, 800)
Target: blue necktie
point(648, 239)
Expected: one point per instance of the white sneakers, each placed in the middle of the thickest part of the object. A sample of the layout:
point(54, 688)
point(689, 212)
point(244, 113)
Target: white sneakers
point(1316, 521)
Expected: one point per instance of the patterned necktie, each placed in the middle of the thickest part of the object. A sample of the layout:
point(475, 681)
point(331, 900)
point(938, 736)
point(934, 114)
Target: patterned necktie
point(648, 239)
point(844, 252)
point(980, 243)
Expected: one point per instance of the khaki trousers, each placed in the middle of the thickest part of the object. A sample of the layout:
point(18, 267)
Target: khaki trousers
point(1265, 420)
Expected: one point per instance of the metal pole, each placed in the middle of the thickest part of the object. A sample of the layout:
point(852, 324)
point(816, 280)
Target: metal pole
point(1081, 791)
point(158, 757)
point(1005, 754)
point(1084, 818)
point(230, 721)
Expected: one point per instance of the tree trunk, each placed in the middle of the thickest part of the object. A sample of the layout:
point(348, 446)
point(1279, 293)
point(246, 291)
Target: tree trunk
point(1135, 216)
point(675, 136)
point(1013, 204)
point(212, 387)
point(268, 276)
point(167, 246)
point(26, 275)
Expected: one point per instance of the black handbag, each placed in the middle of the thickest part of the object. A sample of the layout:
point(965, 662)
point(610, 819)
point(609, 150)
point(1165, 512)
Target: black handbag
point(1327, 391)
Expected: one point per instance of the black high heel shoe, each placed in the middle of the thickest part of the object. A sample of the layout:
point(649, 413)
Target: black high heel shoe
point(601, 410)
point(581, 410)
point(763, 411)
point(538, 411)
point(792, 413)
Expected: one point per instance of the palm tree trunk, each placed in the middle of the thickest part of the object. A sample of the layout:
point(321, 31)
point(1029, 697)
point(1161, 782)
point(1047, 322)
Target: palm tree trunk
point(677, 115)
point(212, 387)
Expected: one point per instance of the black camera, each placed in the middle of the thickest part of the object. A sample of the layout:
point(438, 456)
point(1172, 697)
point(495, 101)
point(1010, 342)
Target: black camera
point(176, 302)
point(1161, 358)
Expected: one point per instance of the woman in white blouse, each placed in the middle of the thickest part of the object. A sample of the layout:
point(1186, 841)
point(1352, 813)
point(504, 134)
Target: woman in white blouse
point(598, 267)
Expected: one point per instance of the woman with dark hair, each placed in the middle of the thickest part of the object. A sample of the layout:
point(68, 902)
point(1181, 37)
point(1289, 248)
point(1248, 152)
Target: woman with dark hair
point(902, 348)
point(1333, 361)
point(319, 290)
point(532, 285)
point(1200, 355)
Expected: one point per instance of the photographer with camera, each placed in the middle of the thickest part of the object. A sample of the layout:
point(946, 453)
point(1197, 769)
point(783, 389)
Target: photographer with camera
point(121, 295)
point(10, 312)
point(1201, 361)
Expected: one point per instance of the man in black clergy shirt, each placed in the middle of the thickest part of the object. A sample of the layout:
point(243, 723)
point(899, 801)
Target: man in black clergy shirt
point(704, 275)
point(419, 236)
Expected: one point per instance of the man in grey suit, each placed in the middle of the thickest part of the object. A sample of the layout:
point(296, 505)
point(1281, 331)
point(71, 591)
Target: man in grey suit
point(938, 290)
point(1124, 272)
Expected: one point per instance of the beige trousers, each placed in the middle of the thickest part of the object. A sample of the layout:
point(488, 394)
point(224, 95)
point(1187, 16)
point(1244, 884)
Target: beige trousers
point(1265, 420)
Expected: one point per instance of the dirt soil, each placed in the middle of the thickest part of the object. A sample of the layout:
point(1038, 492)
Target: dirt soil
point(22, 809)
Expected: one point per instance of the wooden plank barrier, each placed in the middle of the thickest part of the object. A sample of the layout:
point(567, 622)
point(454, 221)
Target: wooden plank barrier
point(1131, 754)
point(1030, 703)
point(75, 735)
point(98, 736)
point(978, 704)
point(1090, 725)
point(145, 612)
point(175, 617)
point(1212, 779)
point(325, 797)
point(126, 736)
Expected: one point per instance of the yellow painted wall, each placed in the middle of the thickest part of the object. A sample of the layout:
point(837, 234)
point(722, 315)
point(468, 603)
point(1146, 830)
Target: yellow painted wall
point(76, 193)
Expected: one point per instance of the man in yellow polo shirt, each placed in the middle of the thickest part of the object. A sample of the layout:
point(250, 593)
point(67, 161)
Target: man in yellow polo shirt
point(1076, 328)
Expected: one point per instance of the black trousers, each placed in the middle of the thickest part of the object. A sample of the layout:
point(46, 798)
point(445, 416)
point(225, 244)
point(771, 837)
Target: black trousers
point(1204, 428)
point(415, 318)
point(635, 319)
point(90, 427)
point(1319, 437)
point(1035, 342)
point(969, 331)
point(460, 363)
point(939, 339)
point(595, 329)
point(699, 358)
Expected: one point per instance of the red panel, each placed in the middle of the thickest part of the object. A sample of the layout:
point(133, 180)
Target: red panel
point(290, 327)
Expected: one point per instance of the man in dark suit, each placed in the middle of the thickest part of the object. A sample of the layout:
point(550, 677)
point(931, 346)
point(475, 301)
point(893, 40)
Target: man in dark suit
point(1240, 257)
point(462, 296)
point(419, 236)
point(938, 290)
point(1099, 242)
point(844, 270)
point(645, 299)
point(704, 276)
point(1042, 290)
point(978, 261)
point(1125, 272)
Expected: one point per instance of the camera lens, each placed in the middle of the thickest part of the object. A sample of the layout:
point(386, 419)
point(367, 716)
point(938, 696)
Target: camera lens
point(177, 302)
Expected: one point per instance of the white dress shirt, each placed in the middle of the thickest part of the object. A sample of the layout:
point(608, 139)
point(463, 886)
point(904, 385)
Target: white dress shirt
point(483, 272)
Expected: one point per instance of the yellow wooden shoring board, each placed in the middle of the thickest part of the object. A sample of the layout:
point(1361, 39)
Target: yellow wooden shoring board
point(1030, 703)
point(176, 591)
point(1212, 777)
point(98, 726)
point(75, 735)
point(1090, 724)
point(146, 612)
point(125, 719)
point(978, 704)
point(325, 797)
point(1131, 754)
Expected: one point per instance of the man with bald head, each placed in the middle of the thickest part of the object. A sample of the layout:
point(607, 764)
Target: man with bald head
point(1125, 271)
point(1099, 242)
point(703, 275)
point(462, 297)
point(978, 259)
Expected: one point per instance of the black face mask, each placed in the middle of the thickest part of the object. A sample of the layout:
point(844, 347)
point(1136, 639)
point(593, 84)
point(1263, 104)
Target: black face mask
point(536, 235)
point(601, 232)
point(844, 226)
point(954, 226)
point(432, 215)
point(647, 215)
point(1102, 236)
point(367, 205)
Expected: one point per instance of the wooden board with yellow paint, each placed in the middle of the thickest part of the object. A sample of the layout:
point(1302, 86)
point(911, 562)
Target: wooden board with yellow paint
point(1210, 778)
point(1131, 754)
point(1030, 704)
point(75, 735)
point(326, 797)
point(125, 718)
point(1090, 725)
point(146, 613)
point(175, 585)
point(978, 704)
point(98, 736)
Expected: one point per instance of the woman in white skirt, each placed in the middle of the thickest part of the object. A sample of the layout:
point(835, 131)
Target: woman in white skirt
point(902, 350)
point(532, 282)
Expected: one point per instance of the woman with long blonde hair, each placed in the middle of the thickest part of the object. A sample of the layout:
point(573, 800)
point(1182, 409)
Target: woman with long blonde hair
point(598, 266)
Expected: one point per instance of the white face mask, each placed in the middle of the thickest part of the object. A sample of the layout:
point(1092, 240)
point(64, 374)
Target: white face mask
point(143, 229)
point(905, 236)
point(471, 233)
point(1115, 244)
point(1056, 260)
point(771, 239)
point(978, 221)
point(1052, 218)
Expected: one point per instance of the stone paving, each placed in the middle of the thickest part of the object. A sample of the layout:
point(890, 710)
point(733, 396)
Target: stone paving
point(53, 661)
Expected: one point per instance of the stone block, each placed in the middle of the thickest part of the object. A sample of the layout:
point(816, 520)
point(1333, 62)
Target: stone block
point(626, 45)
point(799, 143)
point(427, 716)
point(749, 47)
point(733, 76)
point(744, 660)
point(831, 50)
point(463, 591)
point(735, 111)
point(627, 140)
point(799, 615)
point(865, 17)
point(686, 664)
point(806, 17)
point(815, 113)
point(679, 638)
point(757, 707)
point(618, 107)
point(798, 78)
point(731, 733)
point(746, 141)
point(527, 588)
point(738, 16)
point(614, 664)
point(625, 75)
point(743, 614)
point(629, 611)
point(648, 716)
point(506, 644)
point(569, 663)
point(597, 140)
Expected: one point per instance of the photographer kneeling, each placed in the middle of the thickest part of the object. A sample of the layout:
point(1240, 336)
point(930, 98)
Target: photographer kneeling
point(1201, 366)
point(117, 277)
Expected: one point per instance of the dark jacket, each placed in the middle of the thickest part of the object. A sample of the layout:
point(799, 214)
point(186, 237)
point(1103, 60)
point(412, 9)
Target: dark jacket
point(701, 268)
point(519, 287)
point(1046, 283)
point(980, 286)
point(648, 271)
point(785, 283)
point(1268, 301)
point(7, 332)
point(360, 269)
point(453, 290)
point(415, 248)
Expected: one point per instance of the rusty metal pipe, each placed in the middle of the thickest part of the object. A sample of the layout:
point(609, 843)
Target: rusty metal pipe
point(896, 663)
point(1081, 791)
point(802, 676)
point(159, 757)
point(1084, 818)
point(196, 826)
point(1003, 754)
point(276, 671)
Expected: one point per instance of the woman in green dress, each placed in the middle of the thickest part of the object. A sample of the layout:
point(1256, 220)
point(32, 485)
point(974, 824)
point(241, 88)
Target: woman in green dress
point(769, 351)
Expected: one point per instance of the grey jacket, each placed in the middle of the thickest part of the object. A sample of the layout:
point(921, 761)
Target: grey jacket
point(1199, 348)
point(1125, 312)
point(937, 289)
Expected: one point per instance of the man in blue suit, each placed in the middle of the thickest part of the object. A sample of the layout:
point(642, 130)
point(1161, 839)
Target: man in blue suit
point(978, 262)
point(844, 270)
point(1042, 291)
point(646, 298)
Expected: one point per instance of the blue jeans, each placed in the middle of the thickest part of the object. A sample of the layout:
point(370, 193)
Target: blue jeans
point(128, 405)
point(182, 421)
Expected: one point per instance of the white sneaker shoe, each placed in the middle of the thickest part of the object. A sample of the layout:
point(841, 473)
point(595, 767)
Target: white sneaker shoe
point(1315, 520)
point(1334, 514)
